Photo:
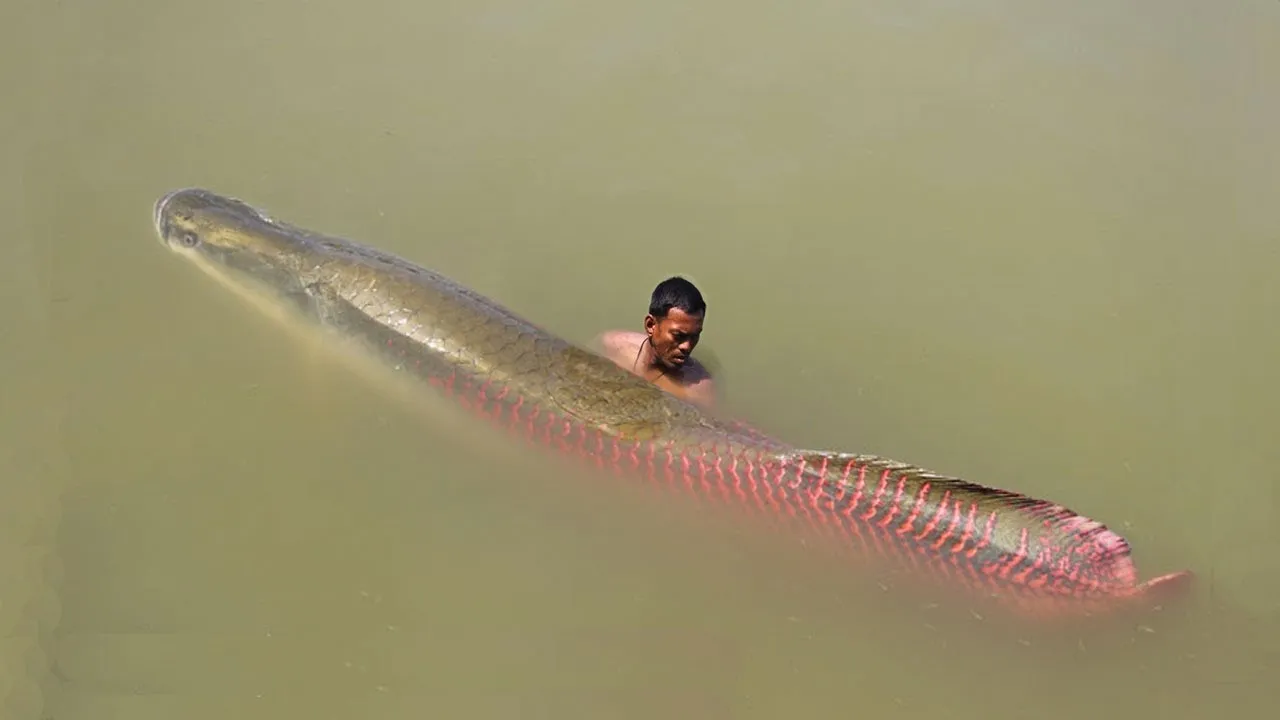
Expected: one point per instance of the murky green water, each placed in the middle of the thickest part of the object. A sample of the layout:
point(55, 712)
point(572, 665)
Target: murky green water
point(1030, 243)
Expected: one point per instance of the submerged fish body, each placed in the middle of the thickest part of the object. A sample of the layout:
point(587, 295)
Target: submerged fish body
point(1038, 557)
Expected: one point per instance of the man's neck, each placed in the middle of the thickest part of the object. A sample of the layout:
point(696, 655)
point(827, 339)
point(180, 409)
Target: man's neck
point(649, 363)
point(652, 368)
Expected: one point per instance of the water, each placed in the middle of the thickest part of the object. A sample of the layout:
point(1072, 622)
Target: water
point(1029, 243)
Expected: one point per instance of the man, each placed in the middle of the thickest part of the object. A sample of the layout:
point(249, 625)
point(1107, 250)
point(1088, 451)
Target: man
point(662, 353)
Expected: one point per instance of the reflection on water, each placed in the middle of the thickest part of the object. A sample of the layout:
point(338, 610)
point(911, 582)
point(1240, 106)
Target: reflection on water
point(1027, 243)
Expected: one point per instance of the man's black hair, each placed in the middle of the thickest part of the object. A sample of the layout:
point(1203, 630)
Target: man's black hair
point(676, 292)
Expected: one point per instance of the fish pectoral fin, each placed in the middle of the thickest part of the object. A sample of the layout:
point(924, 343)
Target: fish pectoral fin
point(322, 301)
point(313, 301)
point(316, 289)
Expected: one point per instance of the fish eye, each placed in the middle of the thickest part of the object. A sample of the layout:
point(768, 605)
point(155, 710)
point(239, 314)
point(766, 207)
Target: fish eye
point(189, 239)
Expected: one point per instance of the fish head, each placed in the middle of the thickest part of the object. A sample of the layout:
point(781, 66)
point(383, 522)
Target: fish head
point(231, 239)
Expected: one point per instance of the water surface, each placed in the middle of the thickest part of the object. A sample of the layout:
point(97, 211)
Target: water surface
point(1032, 244)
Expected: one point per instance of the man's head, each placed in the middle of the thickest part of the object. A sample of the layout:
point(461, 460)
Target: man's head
point(674, 322)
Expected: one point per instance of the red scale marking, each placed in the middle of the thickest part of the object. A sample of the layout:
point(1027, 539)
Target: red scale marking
point(895, 505)
point(955, 520)
point(858, 488)
point(780, 488)
point(877, 497)
point(922, 495)
point(763, 499)
point(797, 495)
point(966, 534)
point(726, 489)
point(932, 525)
point(737, 481)
point(986, 536)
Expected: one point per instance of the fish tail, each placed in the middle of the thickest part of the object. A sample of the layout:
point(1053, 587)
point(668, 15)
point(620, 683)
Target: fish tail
point(989, 538)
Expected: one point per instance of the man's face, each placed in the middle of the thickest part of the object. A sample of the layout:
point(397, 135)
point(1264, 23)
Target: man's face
point(674, 336)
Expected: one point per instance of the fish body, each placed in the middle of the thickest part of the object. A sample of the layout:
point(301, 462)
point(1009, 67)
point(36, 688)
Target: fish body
point(1038, 557)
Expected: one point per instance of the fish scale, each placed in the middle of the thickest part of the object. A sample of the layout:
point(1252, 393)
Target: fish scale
point(1038, 556)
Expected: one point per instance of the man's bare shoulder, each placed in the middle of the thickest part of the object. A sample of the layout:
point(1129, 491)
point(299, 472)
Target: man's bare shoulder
point(618, 346)
point(618, 341)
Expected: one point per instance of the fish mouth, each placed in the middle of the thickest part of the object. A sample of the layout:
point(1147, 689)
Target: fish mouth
point(158, 213)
